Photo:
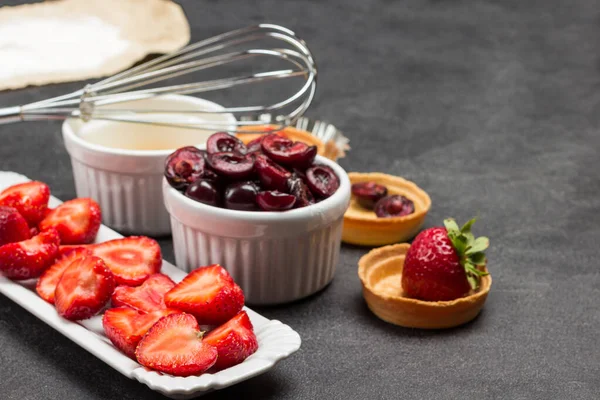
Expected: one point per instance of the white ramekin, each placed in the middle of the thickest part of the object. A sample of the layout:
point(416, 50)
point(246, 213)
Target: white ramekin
point(276, 257)
point(127, 183)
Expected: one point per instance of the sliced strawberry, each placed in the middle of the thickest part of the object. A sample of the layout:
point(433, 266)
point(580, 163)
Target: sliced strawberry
point(125, 326)
point(132, 260)
point(83, 289)
point(235, 341)
point(147, 297)
point(29, 258)
point(67, 248)
point(46, 285)
point(174, 345)
point(30, 199)
point(77, 221)
point(13, 227)
point(209, 293)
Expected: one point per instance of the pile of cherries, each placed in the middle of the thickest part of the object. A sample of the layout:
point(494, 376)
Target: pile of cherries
point(374, 196)
point(271, 173)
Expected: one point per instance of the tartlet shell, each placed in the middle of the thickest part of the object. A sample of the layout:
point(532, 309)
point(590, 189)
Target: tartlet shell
point(380, 273)
point(327, 150)
point(362, 227)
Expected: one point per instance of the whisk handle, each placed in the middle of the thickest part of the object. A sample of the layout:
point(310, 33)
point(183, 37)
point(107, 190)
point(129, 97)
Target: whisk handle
point(10, 114)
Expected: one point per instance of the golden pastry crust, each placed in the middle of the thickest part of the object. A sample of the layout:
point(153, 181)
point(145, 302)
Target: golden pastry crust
point(362, 227)
point(380, 272)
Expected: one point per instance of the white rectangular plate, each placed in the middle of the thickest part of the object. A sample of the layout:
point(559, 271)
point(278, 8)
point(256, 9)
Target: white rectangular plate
point(276, 341)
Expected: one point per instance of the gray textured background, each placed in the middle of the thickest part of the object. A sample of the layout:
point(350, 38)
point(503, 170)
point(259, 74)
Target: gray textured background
point(490, 106)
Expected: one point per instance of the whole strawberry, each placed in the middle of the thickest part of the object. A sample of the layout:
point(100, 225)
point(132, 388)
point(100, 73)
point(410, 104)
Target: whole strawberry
point(444, 263)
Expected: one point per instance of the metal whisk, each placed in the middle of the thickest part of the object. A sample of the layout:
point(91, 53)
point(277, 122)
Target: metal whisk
point(132, 85)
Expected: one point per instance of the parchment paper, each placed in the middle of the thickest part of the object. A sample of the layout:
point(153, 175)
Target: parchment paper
point(149, 26)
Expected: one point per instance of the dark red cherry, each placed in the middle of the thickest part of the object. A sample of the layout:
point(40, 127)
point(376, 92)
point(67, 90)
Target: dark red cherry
point(272, 176)
point(300, 191)
point(241, 196)
point(210, 174)
point(232, 165)
point(275, 201)
point(322, 180)
point(184, 166)
point(205, 191)
point(255, 146)
point(394, 206)
point(368, 193)
point(286, 152)
point(223, 142)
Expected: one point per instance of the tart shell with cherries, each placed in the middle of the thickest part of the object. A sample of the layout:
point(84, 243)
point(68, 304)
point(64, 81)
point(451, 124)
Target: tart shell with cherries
point(363, 227)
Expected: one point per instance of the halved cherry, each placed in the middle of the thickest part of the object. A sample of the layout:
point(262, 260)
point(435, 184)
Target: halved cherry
point(184, 166)
point(223, 142)
point(368, 193)
point(275, 201)
point(272, 176)
point(298, 189)
point(255, 146)
point(241, 196)
point(394, 206)
point(322, 180)
point(232, 165)
point(287, 152)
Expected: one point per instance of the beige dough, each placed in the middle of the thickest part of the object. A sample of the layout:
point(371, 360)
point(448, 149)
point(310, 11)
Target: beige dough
point(114, 34)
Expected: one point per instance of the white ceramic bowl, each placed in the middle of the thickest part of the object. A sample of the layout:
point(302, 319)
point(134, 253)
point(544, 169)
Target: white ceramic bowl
point(276, 257)
point(126, 182)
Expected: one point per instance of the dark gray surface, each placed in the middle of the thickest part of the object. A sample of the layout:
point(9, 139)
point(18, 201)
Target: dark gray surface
point(489, 106)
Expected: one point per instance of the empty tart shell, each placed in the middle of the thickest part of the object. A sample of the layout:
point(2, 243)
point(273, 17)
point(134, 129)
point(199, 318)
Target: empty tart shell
point(380, 272)
point(363, 227)
point(328, 150)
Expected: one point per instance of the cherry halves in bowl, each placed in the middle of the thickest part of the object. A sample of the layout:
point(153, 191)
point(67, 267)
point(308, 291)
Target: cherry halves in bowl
point(276, 257)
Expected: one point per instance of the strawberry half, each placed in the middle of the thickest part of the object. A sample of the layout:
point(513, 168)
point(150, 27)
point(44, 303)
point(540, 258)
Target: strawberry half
point(125, 327)
point(235, 341)
point(13, 227)
point(132, 260)
point(209, 293)
point(29, 258)
point(29, 198)
point(77, 221)
point(174, 345)
point(83, 289)
point(147, 297)
point(46, 285)
point(444, 263)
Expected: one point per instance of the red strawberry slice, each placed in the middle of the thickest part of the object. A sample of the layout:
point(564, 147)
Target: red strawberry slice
point(77, 221)
point(30, 199)
point(46, 285)
point(209, 293)
point(132, 260)
point(235, 341)
point(13, 227)
point(83, 289)
point(29, 258)
point(125, 326)
point(147, 297)
point(174, 345)
point(67, 248)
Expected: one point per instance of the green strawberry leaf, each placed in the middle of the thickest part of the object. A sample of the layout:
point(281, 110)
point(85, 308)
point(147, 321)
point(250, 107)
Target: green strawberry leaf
point(467, 227)
point(451, 226)
point(459, 243)
point(480, 244)
point(473, 282)
point(478, 258)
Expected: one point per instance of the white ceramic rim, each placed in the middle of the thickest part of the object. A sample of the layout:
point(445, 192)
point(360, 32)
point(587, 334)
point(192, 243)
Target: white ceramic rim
point(339, 199)
point(72, 136)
